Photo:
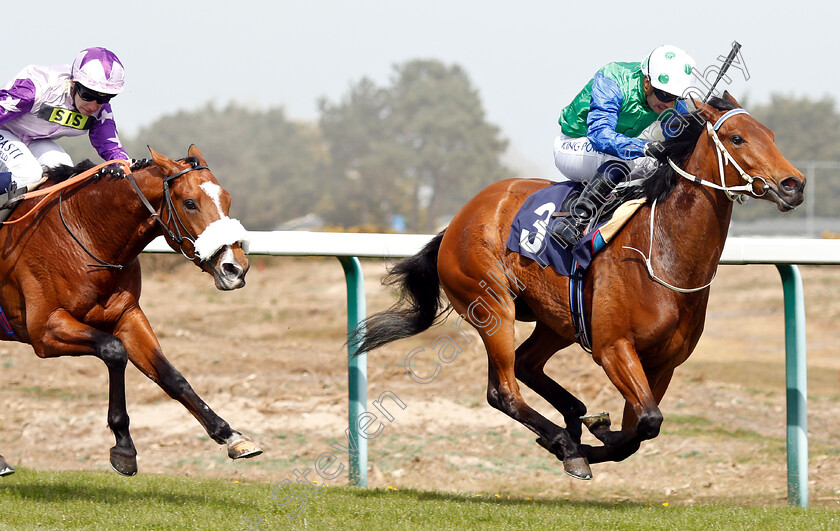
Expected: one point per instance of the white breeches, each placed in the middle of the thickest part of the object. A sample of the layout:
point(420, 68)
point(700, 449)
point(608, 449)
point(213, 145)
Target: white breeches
point(26, 162)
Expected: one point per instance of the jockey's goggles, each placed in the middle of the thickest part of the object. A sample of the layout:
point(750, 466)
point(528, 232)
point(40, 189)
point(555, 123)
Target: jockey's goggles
point(91, 95)
point(661, 95)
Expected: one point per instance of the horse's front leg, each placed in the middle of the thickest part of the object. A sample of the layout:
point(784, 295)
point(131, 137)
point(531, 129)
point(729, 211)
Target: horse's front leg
point(642, 418)
point(63, 335)
point(145, 353)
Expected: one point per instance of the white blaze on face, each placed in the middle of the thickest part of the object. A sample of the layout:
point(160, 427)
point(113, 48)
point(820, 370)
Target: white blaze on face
point(224, 231)
point(215, 193)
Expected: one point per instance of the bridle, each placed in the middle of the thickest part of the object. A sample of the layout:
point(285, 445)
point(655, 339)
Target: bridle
point(733, 193)
point(178, 235)
point(181, 233)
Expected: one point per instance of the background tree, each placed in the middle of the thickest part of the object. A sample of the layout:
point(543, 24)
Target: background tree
point(805, 130)
point(420, 148)
point(272, 167)
point(364, 171)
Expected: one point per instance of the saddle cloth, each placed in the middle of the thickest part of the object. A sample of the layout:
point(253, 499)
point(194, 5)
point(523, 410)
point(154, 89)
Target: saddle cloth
point(531, 228)
point(5, 327)
point(5, 181)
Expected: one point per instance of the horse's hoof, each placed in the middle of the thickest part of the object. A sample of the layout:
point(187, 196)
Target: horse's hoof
point(243, 448)
point(125, 465)
point(5, 468)
point(577, 467)
point(596, 421)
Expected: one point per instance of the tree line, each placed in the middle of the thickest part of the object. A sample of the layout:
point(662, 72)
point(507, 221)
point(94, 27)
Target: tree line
point(413, 150)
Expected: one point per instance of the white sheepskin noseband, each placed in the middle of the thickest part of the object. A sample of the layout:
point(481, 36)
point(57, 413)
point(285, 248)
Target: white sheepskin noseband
point(224, 231)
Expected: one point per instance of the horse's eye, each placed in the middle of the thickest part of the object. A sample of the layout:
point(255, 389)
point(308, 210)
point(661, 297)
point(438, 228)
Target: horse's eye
point(738, 140)
point(189, 204)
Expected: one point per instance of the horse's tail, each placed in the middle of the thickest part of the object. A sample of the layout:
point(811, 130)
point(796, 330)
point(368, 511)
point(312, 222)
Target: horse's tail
point(418, 307)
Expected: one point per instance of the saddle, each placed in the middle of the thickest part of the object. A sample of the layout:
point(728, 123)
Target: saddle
point(539, 212)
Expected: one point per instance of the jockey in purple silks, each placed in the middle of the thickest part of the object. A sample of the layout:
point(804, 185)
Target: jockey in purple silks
point(46, 102)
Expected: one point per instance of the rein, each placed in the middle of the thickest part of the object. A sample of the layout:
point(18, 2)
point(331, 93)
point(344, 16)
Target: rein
point(177, 235)
point(56, 188)
point(733, 193)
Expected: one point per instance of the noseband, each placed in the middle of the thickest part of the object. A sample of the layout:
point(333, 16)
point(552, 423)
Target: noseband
point(733, 193)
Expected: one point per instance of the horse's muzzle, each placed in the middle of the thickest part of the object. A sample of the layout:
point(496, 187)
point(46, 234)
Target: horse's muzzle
point(228, 271)
point(789, 193)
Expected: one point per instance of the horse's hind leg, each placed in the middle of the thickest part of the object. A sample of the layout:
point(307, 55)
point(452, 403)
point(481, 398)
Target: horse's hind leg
point(5, 468)
point(503, 394)
point(531, 357)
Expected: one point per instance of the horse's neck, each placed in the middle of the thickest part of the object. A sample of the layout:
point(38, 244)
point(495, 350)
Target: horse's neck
point(151, 187)
point(690, 228)
point(128, 224)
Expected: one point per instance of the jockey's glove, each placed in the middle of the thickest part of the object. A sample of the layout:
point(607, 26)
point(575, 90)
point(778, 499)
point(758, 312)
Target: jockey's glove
point(660, 150)
point(112, 171)
point(136, 164)
point(656, 150)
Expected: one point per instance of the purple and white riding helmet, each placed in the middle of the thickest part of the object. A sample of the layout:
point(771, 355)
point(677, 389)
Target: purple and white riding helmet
point(99, 69)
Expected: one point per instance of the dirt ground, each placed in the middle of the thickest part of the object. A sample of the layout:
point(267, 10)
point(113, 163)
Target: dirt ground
point(270, 359)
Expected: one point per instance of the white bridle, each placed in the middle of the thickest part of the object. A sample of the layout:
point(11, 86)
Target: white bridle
point(733, 193)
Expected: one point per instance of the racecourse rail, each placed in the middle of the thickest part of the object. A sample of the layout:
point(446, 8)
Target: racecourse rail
point(784, 253)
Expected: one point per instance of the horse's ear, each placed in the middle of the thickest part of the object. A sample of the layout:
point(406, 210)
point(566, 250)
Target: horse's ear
point(168, 165)
point(194, 152)
point(709, 113)
point(728, 97)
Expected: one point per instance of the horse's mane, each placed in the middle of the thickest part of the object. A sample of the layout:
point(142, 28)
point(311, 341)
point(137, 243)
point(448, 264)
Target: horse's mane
point(62, 172)
point(679, 147)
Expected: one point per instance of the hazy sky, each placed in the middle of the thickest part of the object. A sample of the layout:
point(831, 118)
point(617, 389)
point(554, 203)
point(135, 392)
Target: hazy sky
point(526, 58)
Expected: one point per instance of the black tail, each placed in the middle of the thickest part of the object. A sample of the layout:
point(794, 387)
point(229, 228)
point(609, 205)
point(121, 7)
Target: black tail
point(418, 307)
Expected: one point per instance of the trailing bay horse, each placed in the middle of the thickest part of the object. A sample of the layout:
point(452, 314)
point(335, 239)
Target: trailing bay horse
point(71, 277)
point(645, 294)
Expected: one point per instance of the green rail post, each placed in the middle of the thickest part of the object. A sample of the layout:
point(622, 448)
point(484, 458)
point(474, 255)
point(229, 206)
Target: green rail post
point(796, 378)
point(356, 367)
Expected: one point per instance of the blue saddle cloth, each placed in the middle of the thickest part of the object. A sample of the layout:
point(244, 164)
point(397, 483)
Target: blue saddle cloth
point(5, 327)
point(530, 232)
point(530, 236)
point(5, 181)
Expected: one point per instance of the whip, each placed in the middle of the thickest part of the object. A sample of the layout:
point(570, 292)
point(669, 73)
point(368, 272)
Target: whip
point(736, 47)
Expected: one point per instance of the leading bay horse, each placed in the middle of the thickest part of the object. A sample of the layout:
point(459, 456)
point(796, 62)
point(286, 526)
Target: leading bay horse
point(71, 278)
point(646, 312)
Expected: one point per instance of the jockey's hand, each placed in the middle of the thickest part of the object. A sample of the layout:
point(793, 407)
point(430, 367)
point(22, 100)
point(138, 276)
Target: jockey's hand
point(657, 150)
point(136, 164)
point(112, 171)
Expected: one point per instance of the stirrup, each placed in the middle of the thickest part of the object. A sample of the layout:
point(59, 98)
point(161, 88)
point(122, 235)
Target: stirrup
point(567, 231)
point(14, 197)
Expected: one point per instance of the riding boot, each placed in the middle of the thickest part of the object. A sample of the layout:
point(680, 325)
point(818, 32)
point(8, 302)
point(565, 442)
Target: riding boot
point(14, 198)
point(597, 194)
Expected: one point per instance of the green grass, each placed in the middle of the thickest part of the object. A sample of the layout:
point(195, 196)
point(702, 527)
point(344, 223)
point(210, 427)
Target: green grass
point(86, 500)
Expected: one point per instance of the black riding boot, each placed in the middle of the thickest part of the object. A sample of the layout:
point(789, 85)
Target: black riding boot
point(14, 198)
point(597, 194)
